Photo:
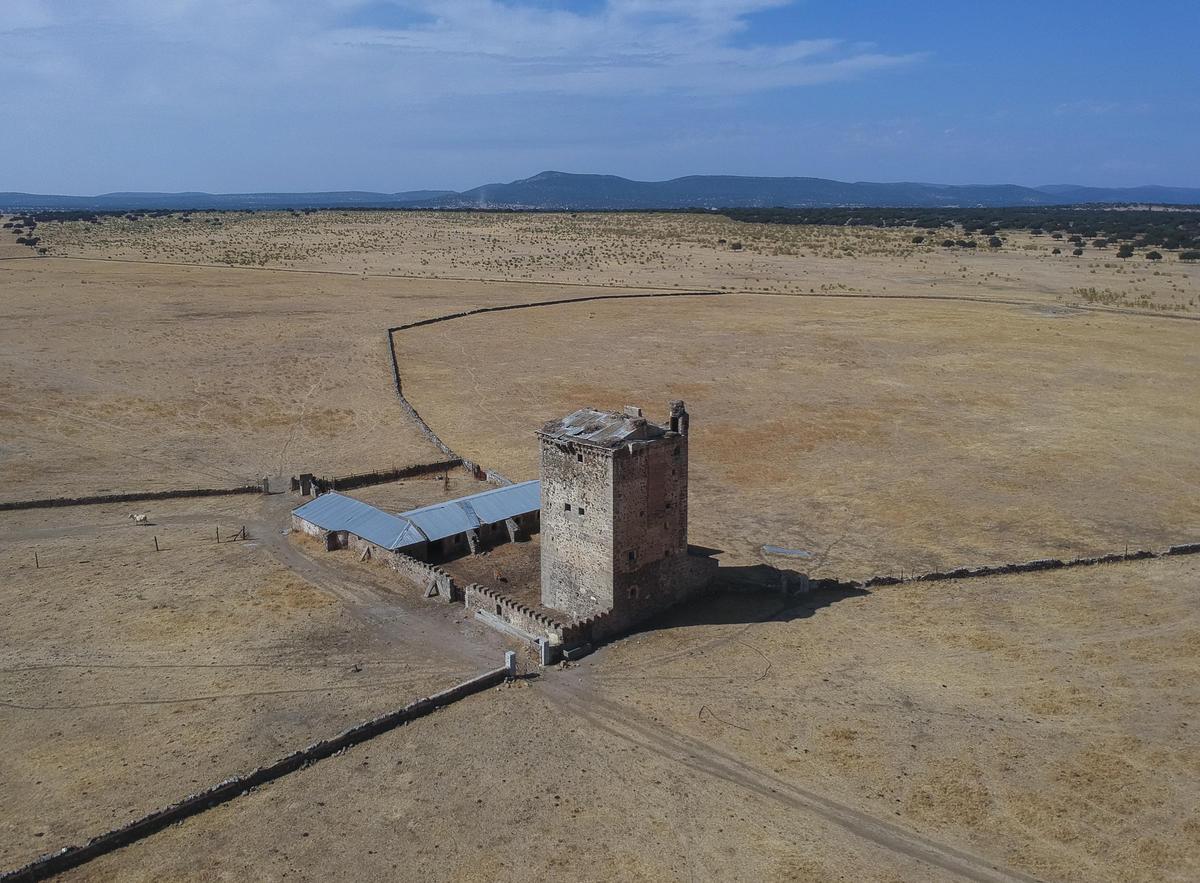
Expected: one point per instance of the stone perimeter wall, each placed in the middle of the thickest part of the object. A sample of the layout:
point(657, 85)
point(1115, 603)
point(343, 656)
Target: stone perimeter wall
point(557, 632)
point(55, 863)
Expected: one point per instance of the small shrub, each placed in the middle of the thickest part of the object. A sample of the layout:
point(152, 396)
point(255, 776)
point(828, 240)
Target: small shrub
point(1153, 256)
point(1077, 252)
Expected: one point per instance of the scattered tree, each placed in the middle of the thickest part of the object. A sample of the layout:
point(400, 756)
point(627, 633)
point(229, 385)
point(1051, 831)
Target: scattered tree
point(1077, 252)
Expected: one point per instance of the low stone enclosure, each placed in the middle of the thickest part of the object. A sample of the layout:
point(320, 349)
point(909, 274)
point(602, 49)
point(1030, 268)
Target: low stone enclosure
point(552, 636)
point(495, 608)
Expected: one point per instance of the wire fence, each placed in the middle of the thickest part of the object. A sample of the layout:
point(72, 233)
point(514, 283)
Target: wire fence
point(146, 542)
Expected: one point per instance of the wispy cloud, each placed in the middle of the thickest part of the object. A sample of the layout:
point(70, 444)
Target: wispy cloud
point(255, 93)
point(421, 49)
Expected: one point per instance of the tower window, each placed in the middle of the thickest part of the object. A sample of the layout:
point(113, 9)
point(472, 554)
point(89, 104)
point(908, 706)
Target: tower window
point(633, 554)
point(566, 507)
point(633, 592)
point(579, 509)
point(579, 457)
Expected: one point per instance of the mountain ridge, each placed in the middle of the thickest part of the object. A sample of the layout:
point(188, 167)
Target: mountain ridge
point(566, 191)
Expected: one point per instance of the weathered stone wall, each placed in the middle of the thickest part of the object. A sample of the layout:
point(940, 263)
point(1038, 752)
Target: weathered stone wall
point(434, 582)
point(577, 529)
point(525, 618)
point(131, 497)
point(383, 476)
point(650, 489)
point(54, 863)
point(307, 527)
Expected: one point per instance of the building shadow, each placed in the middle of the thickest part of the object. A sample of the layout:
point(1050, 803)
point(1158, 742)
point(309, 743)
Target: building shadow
point(750, 594)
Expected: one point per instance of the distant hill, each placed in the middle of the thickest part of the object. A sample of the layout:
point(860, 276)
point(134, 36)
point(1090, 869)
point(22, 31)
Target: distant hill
point(565, 191)
point(107, 202)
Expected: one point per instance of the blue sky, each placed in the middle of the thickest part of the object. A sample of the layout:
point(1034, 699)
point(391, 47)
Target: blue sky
point(237, 95)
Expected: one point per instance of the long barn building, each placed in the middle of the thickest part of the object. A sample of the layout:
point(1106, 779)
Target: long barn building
point(431, 533)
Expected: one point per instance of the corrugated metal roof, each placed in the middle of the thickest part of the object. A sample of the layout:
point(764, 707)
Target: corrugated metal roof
point(333, 511)
point(515, 499)
point(604, 428)
point(451, 517)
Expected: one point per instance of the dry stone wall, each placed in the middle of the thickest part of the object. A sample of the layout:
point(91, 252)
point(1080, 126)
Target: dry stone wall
point(73, 856)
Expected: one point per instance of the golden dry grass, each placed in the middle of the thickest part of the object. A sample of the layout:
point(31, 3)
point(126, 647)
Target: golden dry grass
point(881, 435)
point(1046, 723)
point(130, 678)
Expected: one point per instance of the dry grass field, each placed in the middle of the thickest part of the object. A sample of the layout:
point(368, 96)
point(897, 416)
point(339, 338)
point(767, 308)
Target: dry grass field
point(878, 434)
point(641, 250)
point(1041, 726)
point(1052, 732)
point(118, 377)
point(129, 678)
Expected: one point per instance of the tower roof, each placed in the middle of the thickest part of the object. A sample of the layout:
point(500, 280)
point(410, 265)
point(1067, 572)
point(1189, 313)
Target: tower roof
point(605, 429)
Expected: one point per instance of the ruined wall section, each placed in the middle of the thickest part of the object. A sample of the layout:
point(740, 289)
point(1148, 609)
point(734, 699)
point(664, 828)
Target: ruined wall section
point(577, 528)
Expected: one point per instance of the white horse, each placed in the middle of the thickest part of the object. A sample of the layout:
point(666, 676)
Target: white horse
point(140, 518)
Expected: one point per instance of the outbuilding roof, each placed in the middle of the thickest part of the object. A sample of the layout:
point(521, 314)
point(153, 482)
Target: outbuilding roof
point(333, 511)
point(452, 517)
point(606, 429)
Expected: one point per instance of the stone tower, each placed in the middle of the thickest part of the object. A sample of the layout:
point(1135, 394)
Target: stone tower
point(614, 513)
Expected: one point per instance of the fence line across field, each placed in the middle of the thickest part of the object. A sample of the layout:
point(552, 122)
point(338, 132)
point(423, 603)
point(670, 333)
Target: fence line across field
point(41, 558)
